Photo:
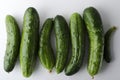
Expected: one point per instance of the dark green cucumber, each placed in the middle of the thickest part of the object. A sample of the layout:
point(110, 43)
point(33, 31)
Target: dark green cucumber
point(62, 42)
point(77, 31)
point(29, 41)
point(46, 54)
point(13, 43)
point(96, 36)
point(108, 34)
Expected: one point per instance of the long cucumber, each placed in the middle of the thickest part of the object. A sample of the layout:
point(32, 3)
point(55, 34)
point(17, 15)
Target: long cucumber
point(29, 41)
point(77, 31)
point(13, 43)
point(46, 54)
point(96, 37)
point(62, 42)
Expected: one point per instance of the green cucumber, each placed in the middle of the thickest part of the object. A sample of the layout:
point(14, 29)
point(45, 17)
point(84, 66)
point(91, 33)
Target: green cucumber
point(46, 53)
point(77, 31)
point(108, 34)
point(13, 43)
point(29, 41)
point(96, 38)
point(62, 42)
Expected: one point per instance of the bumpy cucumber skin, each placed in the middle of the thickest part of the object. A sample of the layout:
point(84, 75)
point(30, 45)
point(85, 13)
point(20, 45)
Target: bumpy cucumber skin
point(77, 31)
point(62, 42)
point(96, 37)
point(29, 41)
point(13, 43)
point(46, 53)
point(107, 55)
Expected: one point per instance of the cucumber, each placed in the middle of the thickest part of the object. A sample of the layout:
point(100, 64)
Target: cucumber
point(77, 31)
point(62, 42)
point(29, 41)
point(13, 43)
point(46, 54)
point(107, 54)
point(96, 38)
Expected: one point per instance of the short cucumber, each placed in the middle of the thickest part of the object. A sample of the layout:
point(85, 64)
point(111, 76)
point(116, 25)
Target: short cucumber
point(107, 55)
point(96, 38)
point(77, 31)
point(62, 42)
point(13, 43)
point(46, 54)
point(29, 41)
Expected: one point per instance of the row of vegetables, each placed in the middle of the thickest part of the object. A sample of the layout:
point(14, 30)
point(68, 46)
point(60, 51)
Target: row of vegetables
point(31, 44)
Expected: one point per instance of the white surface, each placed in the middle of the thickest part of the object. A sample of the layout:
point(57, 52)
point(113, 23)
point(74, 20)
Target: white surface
point(110, 13)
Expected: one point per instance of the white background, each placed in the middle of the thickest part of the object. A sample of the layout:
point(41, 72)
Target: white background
point(110, 13)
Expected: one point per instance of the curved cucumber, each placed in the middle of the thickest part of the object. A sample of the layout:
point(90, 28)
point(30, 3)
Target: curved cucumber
point(108, 34)
point(62, 42)
point(29, 41)
point(13, 43)
point(46, 54)
point(77, 31)
point(96, 36)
